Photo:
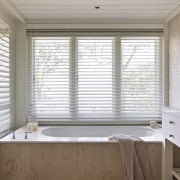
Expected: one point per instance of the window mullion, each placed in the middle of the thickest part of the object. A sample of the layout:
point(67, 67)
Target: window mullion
point(31, 46)
point(73, 78)
point(116, 76)
point(156, 73)
point(161, 73)
point(12, 77)
point(159, 57)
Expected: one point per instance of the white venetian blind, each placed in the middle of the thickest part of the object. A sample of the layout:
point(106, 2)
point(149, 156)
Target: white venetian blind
point(104, 77)
point(95, 56)
point(141, 90)
point(5, 85)
point(49, 77)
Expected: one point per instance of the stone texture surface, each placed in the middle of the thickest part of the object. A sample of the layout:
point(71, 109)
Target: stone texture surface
point(174, 62)
point(68, 161)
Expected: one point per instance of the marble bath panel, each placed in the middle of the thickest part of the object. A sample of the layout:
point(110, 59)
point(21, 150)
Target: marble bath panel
point(69, 161)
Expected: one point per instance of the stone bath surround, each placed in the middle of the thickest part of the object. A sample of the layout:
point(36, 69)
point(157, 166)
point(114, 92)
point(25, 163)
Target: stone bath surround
point(69, 161)
point(79, 158)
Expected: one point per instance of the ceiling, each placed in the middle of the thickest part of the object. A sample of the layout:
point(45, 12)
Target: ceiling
point(84, 10)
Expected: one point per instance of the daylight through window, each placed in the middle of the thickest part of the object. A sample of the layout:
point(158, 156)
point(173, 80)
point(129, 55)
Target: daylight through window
point(95, 77)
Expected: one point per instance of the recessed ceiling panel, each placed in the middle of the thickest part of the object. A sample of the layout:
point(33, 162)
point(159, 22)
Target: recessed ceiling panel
point(95, 9)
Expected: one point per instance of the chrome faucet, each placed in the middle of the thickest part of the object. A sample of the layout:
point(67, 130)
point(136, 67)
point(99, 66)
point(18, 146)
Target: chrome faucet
point(13, 135)
point(26, 136)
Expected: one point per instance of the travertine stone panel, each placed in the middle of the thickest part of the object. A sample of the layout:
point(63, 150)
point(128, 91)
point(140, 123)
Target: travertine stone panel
point(68, 161)
point(174, 62)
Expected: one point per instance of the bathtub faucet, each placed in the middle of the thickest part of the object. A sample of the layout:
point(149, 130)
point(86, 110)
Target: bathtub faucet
point(26, 136)
point(13, 135)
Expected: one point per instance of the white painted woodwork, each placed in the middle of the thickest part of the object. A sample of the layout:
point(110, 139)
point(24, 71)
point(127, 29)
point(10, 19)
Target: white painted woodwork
point(84, 9)
point(167, 160)
point(171, 124)
point(94, 26)
point(170, 127)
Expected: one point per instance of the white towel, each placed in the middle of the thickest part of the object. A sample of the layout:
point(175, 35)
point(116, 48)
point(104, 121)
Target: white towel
point(135, 159)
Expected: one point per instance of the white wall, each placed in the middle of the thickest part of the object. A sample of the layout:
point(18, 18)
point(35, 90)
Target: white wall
point(174, 62)
point(20, 68)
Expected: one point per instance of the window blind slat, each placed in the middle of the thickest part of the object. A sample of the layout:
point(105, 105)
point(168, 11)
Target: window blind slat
point(5, 91)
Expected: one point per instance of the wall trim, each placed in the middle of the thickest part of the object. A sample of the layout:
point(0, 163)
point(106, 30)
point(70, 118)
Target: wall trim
point(173, 13)
point(95, 26)
point(12, 11)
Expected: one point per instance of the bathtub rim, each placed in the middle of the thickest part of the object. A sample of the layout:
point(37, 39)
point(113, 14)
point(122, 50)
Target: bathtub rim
point(37, 137)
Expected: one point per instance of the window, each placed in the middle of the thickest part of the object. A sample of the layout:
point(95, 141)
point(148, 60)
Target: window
point(140, 75)
point(94, 61)
point(5, 80)
point(50, 77)
point(80, 77)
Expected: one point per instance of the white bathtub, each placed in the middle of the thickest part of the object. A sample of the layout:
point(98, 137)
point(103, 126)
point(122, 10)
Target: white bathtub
point(96, 131)
point(83, 134)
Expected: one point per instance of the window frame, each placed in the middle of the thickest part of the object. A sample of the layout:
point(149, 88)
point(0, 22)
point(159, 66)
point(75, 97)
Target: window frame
point(73, 118)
